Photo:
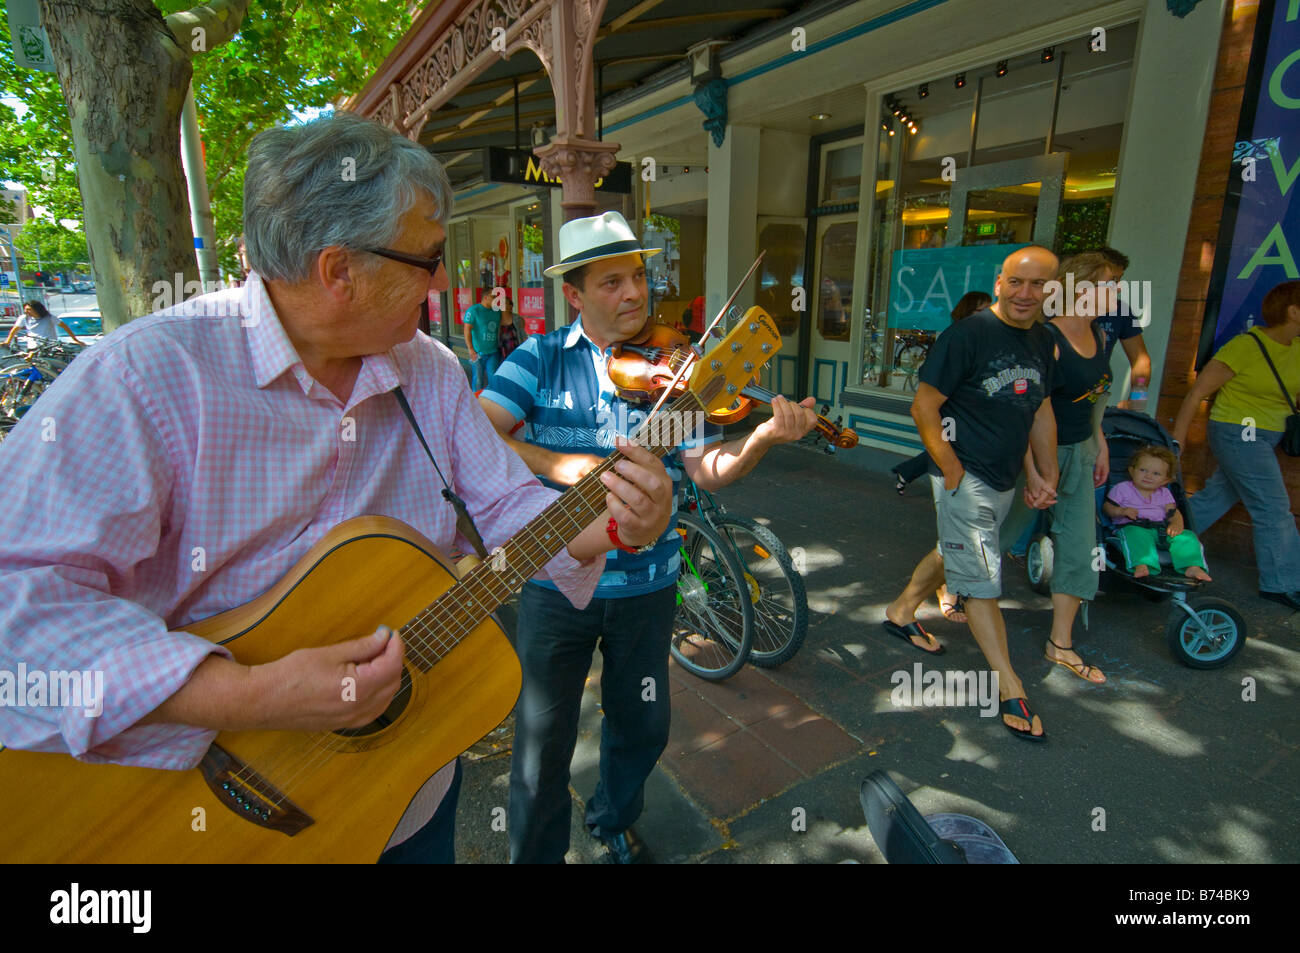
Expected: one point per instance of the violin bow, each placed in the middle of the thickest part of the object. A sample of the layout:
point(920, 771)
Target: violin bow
point(698, 349)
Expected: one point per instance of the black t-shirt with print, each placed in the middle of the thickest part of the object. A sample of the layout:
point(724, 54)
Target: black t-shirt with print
point(995, 377)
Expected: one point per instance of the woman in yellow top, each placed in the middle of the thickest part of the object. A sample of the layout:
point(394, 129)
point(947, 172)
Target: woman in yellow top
point(1247, 422)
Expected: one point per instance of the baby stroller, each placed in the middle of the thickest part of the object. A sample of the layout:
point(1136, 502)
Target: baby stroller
point(1203, 632)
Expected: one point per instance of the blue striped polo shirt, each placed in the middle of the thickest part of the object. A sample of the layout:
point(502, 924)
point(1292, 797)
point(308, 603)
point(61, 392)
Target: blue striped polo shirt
point(558, 383)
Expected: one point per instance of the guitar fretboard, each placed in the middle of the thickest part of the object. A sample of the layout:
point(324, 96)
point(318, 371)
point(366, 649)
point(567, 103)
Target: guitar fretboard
point(453, 615)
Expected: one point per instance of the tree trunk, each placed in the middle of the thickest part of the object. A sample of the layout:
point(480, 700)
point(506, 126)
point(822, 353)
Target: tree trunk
point(124, 79)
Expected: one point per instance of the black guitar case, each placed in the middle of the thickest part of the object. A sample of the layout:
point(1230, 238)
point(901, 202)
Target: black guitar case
point(905, 837)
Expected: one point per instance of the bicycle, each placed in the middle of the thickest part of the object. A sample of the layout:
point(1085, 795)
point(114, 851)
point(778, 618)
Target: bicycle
point(774, 587)
point(714, 626)
point(912, 354)
point(21, 383)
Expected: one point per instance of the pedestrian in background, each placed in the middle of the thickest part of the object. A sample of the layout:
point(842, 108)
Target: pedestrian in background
point(482, 327)
point(990, 375)
point(1122, 327)
point(1080, 382)
point(39, 326)
point(952, 607)
point(1256, 376)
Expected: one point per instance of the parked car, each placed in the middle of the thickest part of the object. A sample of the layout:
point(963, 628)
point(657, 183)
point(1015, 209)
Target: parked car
point(88, 325)
point(83, 288)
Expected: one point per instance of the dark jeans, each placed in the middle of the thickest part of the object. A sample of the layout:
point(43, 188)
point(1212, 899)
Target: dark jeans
point(435, 842)
point(555, 644)
point(484, 368)
point(914, 468)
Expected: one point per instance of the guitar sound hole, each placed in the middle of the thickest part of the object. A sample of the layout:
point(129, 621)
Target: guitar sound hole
point(389, 715)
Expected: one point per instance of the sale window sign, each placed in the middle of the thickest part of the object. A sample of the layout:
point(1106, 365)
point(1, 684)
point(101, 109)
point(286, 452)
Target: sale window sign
point(532, 308)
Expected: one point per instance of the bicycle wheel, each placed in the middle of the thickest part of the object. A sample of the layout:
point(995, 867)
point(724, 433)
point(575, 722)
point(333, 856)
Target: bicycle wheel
point(714, 625)
point(775, 588)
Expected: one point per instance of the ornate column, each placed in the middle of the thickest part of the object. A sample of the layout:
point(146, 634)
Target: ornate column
point(564, 41)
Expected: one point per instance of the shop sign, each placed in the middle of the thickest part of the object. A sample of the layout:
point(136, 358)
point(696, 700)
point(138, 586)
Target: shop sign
point(1259, 236)
point(524, 168)
point(464, 298)
point(532, 308)
point(928, 282)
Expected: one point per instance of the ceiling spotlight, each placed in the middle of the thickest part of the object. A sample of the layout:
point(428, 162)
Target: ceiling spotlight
point(912, 129)
point(923, 90)
point(1002, 67)
point(1049, 54)
point(820, 116)
point(960, 81)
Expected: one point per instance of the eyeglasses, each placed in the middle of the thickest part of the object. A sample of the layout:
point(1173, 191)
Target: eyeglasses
point(428, 264)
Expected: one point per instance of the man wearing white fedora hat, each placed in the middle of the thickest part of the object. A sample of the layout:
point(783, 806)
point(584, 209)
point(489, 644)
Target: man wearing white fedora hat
point(558, 383)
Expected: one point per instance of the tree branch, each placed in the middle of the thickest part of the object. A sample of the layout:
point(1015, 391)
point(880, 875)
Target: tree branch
point(219, 20)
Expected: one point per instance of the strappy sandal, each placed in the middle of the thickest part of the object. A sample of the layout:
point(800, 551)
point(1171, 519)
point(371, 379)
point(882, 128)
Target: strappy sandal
point(949, 609)
point(905, 632)
point(1020, 708)
point(1082, 669)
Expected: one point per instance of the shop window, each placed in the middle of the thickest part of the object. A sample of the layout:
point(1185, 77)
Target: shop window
point(464, 276)
point(841, 174)
point(675, 276)
point(1037, 158)
point(782, 272)
point(835, 290)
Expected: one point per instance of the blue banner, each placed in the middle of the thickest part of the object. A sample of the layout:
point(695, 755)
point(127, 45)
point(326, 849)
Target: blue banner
point(928, 282)
point(1259, 239)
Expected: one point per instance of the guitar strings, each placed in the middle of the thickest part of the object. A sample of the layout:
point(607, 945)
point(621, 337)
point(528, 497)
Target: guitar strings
point(433, 632)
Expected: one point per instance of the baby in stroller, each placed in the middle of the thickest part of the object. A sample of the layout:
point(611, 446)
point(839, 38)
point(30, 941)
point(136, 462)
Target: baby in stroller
point(1146, 517)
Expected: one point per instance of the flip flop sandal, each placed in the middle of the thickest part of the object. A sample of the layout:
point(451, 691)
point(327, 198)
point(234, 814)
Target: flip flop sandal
point(949, 608)
point(1020, 708)
point(905, 632)
point(1082, 669)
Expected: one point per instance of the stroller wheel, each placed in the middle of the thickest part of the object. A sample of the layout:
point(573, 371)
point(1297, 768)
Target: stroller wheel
point(1039, 562)
point(1209, 640)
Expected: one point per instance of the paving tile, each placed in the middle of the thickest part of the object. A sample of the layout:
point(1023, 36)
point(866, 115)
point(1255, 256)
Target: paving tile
point(696, 724)
point(806, 738)
point(748, 696)
point(732, 775)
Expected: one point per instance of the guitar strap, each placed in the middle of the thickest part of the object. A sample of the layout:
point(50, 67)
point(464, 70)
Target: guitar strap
point(464, 522)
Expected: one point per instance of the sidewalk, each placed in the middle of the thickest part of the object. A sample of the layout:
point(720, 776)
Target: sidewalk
point(1161, 764)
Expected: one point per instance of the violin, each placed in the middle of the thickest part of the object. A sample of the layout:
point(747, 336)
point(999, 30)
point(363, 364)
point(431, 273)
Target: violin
point(643, 368)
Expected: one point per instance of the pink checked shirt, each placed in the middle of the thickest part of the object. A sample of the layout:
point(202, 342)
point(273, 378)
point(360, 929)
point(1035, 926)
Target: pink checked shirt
point(197, 430)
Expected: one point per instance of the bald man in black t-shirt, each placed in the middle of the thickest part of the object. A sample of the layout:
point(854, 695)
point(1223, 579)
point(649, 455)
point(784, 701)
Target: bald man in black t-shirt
point(982, 403)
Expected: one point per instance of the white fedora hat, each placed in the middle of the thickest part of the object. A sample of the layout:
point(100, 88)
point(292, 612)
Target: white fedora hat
point(585, 240)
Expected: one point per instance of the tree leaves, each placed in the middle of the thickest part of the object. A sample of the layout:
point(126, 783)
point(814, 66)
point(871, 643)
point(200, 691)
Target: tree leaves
point(288, 58)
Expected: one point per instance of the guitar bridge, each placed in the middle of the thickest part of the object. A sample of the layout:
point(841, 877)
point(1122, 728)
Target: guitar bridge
point(247, 794)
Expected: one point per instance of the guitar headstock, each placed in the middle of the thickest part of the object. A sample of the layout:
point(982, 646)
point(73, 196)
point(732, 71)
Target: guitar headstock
point(732, 364)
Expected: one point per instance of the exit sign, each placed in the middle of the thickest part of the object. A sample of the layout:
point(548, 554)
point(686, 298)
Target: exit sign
point(985, 228)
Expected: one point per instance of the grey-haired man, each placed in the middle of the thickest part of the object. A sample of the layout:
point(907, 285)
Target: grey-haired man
point(246, 424)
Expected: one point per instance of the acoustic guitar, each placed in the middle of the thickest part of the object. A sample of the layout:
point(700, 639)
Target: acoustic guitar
point(280, 796)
